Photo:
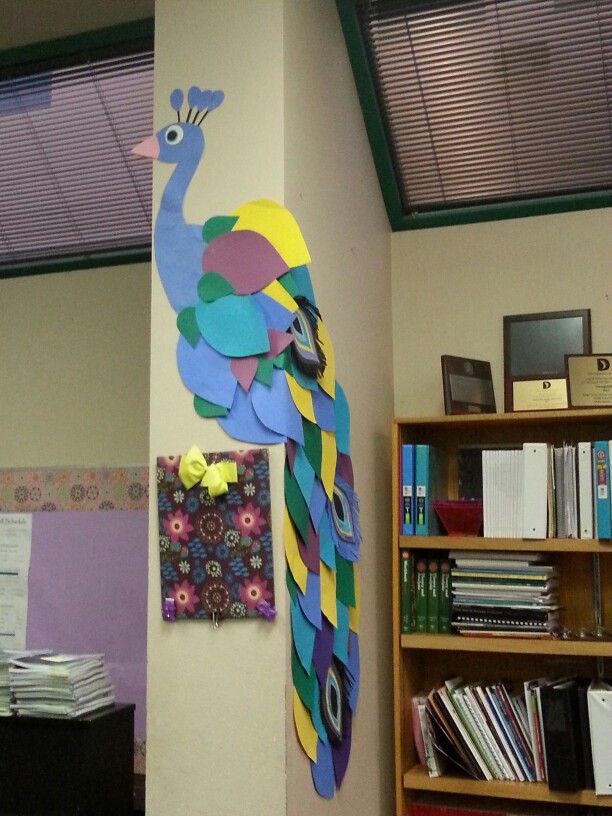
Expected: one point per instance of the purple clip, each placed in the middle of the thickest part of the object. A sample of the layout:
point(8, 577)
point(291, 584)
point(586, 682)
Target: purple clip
point(168, 609)
point(266, 610)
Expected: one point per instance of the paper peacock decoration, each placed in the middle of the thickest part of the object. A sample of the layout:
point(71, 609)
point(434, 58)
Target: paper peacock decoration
point(255, 352)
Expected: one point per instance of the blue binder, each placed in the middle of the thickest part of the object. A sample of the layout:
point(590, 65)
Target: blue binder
point(427, 488)
point(601, 489)
point(407, 497)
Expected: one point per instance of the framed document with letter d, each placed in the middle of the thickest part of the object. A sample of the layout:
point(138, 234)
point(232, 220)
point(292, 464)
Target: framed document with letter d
point(535, 346)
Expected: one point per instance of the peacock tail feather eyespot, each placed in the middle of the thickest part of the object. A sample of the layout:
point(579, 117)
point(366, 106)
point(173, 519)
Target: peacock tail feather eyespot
point(307, 350)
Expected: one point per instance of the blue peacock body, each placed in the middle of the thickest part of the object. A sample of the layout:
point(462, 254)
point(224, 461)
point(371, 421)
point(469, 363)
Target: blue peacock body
point(256, 355)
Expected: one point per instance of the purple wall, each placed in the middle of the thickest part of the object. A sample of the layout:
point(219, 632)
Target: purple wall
point(88, 593)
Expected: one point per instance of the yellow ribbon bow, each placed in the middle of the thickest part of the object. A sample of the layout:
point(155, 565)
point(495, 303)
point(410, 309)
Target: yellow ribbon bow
point(194, 468)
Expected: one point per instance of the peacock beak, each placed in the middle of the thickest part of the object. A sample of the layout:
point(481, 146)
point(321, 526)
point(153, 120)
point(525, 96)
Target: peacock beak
point(149, 148)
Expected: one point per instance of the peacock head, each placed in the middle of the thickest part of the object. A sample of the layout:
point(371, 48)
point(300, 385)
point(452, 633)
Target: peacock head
point(182, 140)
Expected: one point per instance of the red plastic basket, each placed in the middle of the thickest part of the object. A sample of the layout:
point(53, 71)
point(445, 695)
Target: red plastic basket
point(459, 517)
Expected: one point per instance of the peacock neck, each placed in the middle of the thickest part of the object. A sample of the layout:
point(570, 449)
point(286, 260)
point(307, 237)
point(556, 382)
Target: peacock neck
point(174, 194)
point(178, 245)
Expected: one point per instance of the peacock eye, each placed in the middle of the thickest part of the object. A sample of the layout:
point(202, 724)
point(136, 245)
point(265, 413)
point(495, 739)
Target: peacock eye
point(174, 135)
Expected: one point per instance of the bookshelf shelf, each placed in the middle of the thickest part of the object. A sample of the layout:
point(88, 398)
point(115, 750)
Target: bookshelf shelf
point(422, 660)
point(457, 643)
point(417, 779)
point(584, 545)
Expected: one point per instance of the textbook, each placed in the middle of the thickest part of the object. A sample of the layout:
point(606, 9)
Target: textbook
point(446, 597)
point(407, 591)
point(420, 596)
point(433, 594)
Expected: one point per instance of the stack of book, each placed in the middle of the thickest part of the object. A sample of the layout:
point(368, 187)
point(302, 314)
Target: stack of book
point(509, 594)
point(540, 734)
point(425, 592)
point(59, 685)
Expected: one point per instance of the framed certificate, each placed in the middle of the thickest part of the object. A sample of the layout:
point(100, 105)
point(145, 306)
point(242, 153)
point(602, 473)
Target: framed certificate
point(589, 380)
point(468, 387)
point(535, 346)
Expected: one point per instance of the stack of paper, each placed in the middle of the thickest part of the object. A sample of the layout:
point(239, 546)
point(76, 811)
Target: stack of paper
point(6, 655)
point(502, 493)
point(59, 685)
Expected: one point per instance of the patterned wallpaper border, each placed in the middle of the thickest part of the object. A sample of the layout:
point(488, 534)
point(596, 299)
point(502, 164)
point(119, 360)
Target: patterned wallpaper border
point(49, 489)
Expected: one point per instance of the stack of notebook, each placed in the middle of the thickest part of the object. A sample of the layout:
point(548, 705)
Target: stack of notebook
point(59, 685)
point(508, 594)
point(6, 655)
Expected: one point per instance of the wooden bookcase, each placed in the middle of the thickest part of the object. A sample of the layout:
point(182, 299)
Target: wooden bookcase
point(420, 660)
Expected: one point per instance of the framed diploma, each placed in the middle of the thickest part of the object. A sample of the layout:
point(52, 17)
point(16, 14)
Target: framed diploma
point(589, 380)
point(468, 387)
point(535, 346)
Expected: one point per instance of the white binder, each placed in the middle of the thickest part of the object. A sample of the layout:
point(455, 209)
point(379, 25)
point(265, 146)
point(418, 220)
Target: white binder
point(585, 489)
point(599, 699)
point(535, 498)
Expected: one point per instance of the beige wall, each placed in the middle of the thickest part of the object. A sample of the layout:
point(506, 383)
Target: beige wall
point(74, 368)
point(75, 346)
point(287, 132)
point(215, 699)
point(30, 21)
point(332, 188)
point(452, 286)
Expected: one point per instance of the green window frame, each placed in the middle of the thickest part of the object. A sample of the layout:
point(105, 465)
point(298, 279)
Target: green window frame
point(63, 52)
point(377, 135)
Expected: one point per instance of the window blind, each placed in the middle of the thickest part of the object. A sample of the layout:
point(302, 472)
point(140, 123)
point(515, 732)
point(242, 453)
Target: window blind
point(70, 187)
point(489, 101)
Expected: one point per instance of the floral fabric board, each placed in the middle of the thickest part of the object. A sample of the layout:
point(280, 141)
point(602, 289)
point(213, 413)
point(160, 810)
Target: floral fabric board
point(216, 553)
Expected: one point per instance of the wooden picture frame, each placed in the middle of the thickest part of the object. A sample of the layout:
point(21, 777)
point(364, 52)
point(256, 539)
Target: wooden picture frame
point(535, 346)
point(467, 386)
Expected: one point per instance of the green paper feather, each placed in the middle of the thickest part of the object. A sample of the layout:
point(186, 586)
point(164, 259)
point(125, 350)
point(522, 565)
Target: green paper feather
point(312, 445)
point(265, 366)
point(216, 226)
point(188, 327)
point(212, 286)
point(305, 684)
point(282, 360)
point(345, 581)
point(297, 507)
point(208, 409)
point(292, 587)
point(289, 285)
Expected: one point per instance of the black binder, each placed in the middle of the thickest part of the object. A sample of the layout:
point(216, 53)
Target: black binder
point(585, 733)
point(563, 736)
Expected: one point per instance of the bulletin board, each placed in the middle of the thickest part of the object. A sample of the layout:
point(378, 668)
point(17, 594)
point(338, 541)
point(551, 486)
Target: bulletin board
point(88, 570)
